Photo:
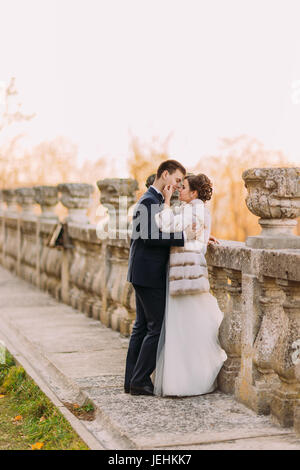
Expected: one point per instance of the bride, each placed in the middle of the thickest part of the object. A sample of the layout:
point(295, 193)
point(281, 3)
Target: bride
point(189, 355)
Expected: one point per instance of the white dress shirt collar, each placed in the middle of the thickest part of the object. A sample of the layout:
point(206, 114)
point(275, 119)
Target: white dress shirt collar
point(157, 190)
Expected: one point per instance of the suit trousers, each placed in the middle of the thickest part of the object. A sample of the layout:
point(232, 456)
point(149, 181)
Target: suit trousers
point(141, 356)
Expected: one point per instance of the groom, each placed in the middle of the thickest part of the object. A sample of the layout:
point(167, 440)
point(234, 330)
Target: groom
point(148, 258)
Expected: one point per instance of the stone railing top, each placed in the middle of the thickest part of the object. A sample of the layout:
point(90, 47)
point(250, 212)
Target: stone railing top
point(46, 195)
point(112, 188)
point(25, 196)
point(9, 195)
point(76, 195)
point(282, 264)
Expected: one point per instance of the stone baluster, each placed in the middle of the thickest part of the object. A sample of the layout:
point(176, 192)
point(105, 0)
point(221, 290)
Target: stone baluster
point(10, 197)
point(25, 247)
point(117, 195)
point(272, 321)
point(286, 398)
point(26, 199)
point(10, 230)
point(230, 331)
point(77, 198)
point(296, 361)
point(274, 196)
point(47, 198)
point(218, 279)
point(2, 203)
point(2, 212)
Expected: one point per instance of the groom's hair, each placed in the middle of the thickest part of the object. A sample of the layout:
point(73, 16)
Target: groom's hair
point(171, 166)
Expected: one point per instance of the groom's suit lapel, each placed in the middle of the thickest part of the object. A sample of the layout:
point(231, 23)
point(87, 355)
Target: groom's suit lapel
point(157, 196)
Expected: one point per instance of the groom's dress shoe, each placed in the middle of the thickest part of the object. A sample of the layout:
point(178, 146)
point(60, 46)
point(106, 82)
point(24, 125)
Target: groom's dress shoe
point(145, 390)
point(126, 389)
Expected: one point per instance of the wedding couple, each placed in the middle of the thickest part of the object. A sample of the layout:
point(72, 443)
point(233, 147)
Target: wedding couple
point(175, 332)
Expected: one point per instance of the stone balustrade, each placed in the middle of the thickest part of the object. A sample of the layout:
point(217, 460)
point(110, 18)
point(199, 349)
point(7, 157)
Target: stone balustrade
point(256, 283)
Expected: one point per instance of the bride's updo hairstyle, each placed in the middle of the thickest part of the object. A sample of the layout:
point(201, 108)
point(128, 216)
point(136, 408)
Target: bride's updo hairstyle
point(202, 184)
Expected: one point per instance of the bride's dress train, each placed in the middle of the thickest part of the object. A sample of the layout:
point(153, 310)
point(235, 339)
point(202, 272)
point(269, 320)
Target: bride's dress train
point(189, 355)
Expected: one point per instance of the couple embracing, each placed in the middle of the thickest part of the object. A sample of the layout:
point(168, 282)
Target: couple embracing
point(177, 321)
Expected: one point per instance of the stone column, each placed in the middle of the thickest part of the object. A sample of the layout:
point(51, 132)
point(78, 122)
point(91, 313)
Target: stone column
point(117, 195)
point(273, 319)
point(230, 332)
point(2, 204)
point(2, 212)
point(274, 196)
point(286, 398)
point(77, 198)
point(296, 361)
point(47, 198)
point(25, 199)
point(10, 230)
point(10, 197)
point(218, 278)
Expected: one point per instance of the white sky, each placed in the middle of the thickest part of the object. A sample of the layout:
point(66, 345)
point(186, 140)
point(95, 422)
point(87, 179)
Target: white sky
point(96, 70)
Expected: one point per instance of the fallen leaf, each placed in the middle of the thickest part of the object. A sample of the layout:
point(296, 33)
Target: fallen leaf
point(42, 419)
point(76, 406)
point(2, 396)
point(18, 418)
point(37, 446)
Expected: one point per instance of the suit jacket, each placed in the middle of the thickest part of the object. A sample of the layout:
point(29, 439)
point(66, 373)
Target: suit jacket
point(149, 246)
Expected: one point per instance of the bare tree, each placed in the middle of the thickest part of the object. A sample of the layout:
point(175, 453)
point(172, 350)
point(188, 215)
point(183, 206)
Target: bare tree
point(11, 113)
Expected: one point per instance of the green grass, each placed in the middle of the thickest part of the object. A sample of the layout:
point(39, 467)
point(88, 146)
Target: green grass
point(41, 421)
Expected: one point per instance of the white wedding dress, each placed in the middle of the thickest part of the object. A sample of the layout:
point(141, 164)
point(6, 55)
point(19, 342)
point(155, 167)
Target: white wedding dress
point(189, 355)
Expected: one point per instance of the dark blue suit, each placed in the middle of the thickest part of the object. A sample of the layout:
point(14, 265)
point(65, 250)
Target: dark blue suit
point(148, 259)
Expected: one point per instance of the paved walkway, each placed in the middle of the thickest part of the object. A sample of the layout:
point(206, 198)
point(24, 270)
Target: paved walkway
point(73, 358)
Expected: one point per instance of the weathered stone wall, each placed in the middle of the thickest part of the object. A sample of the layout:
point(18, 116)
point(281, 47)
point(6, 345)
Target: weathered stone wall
point(256, 283)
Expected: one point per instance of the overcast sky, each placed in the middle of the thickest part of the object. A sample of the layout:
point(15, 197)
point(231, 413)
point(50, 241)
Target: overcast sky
point(96, 70)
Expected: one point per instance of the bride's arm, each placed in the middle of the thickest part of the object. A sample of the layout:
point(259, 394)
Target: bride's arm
point(169, 222)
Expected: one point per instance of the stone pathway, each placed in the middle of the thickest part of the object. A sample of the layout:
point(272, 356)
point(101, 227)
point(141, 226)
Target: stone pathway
point(77, 358)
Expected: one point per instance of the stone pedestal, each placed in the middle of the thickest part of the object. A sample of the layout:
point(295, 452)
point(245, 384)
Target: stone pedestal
point(26, 199)
point(274, 196)
point(117, 196)
point(77, 198)
point(10, 197)
point(47, 198)
point(2, 203)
